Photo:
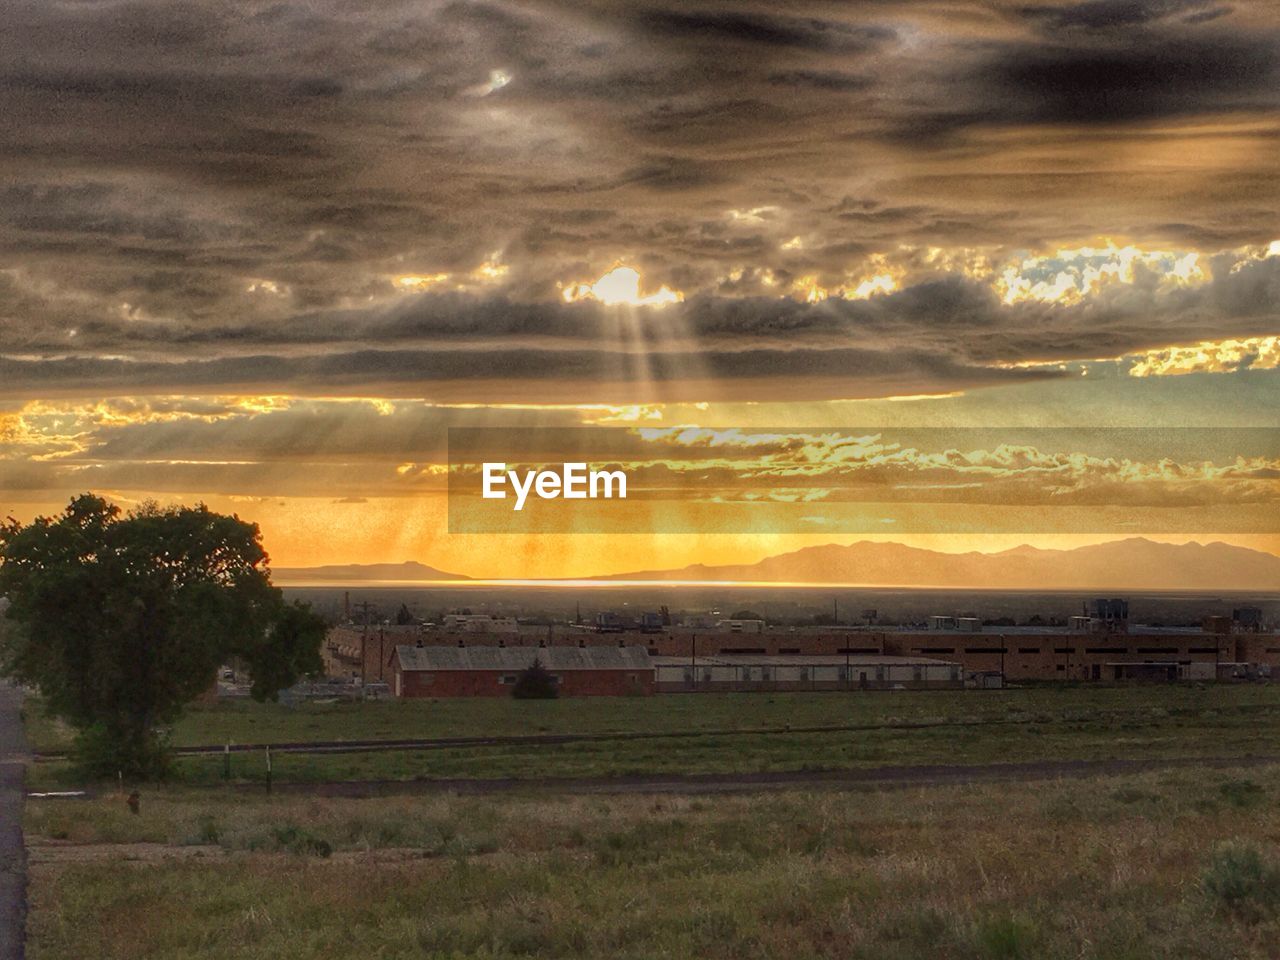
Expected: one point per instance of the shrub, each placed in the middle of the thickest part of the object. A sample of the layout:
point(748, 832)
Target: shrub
point(301, 841)
point(208, 833)
point(1241, 793)
point(535, 682)
point(1241, 881)
point(1006, 938)
point(100, 754)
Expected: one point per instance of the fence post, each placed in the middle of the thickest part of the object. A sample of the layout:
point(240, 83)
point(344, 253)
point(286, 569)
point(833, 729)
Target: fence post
point(268, 768)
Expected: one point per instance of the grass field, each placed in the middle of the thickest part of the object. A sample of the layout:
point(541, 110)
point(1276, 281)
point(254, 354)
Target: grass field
point(1014, 725)
point(1179, 864)
point(243, 721)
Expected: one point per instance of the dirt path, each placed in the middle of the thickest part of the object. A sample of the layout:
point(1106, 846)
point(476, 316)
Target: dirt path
point(13, 864)
point(864, 778)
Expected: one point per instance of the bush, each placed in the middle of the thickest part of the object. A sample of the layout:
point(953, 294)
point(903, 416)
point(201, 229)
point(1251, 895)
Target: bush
point(535, 682)
point(1241, 793)
point(1006, 938)
point(101, 754)
point(301, 841)
point(1242, 881)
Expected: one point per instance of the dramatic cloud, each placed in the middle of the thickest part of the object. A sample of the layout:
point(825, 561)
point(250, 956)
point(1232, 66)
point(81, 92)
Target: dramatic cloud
point(273, 246)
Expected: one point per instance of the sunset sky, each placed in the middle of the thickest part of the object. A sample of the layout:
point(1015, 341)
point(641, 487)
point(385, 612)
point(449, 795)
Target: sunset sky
point(265, 255)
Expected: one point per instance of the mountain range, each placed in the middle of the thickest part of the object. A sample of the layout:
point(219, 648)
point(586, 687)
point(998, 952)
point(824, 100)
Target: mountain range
point(409, 570)
point(1135, 563)
point(1132, 564)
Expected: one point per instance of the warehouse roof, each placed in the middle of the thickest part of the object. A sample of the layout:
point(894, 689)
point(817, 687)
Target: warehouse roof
point(794, 660)
point(518, 658)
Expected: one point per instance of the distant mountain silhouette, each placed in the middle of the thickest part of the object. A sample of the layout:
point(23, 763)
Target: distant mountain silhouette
point(1133, 564)
point(409, 570)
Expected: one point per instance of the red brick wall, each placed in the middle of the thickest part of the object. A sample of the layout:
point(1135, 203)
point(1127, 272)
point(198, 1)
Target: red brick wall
point(1065, 656)
point(486, 683)
point(1257, 648)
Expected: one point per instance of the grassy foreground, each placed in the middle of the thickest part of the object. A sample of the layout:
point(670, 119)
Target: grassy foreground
point(1178, 864)
point(1017, 725)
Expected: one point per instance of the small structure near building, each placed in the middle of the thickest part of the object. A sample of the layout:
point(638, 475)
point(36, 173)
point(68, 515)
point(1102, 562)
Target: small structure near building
point(491, 671)
point(745, 672)
point(1147, 671)
point(740, 626)
point(480, 623)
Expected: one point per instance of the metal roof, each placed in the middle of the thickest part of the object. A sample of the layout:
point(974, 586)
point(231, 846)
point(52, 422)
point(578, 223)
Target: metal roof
point(518, 658)
point(796, 660)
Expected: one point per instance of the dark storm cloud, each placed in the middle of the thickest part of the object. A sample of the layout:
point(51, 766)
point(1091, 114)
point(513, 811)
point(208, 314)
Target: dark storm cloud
point(225, 194)
point(764, 30)
point(1109, 14)
point(522, 376)
point(444, 342)
point(1160, 76)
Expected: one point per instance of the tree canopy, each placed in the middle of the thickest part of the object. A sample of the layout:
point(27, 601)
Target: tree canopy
point(121, 620)
point(535, 682)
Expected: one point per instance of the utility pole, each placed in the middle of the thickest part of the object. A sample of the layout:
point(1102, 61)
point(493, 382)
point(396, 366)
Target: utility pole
point(364, 639)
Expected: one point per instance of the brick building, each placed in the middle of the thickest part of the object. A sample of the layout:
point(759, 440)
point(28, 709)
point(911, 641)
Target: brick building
point(1033, 654)
point(1019, 653)
point(490, 671)
point(753, 672)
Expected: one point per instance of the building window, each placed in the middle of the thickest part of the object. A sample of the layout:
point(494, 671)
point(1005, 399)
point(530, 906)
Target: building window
point(507, 678)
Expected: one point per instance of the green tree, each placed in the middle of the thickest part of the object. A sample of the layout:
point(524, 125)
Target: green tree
point(121, 620)
point(535, 682)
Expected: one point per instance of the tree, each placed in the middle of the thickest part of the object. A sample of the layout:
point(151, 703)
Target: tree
point(745, 615)
point(535, 682)
point(404, 617)
point(121, 620)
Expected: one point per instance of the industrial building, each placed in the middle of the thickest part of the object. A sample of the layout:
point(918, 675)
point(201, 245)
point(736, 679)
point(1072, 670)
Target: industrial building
point(748, 672)
point(490, 671)
point(1015, 653)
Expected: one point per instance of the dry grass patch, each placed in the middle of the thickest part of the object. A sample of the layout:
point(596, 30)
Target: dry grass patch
point(1174, 864)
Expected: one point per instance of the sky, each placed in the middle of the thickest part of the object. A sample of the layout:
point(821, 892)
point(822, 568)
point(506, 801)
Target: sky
point(265, 256)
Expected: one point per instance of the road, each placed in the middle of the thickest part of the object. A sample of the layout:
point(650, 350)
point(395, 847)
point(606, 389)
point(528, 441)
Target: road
point(13, 859)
